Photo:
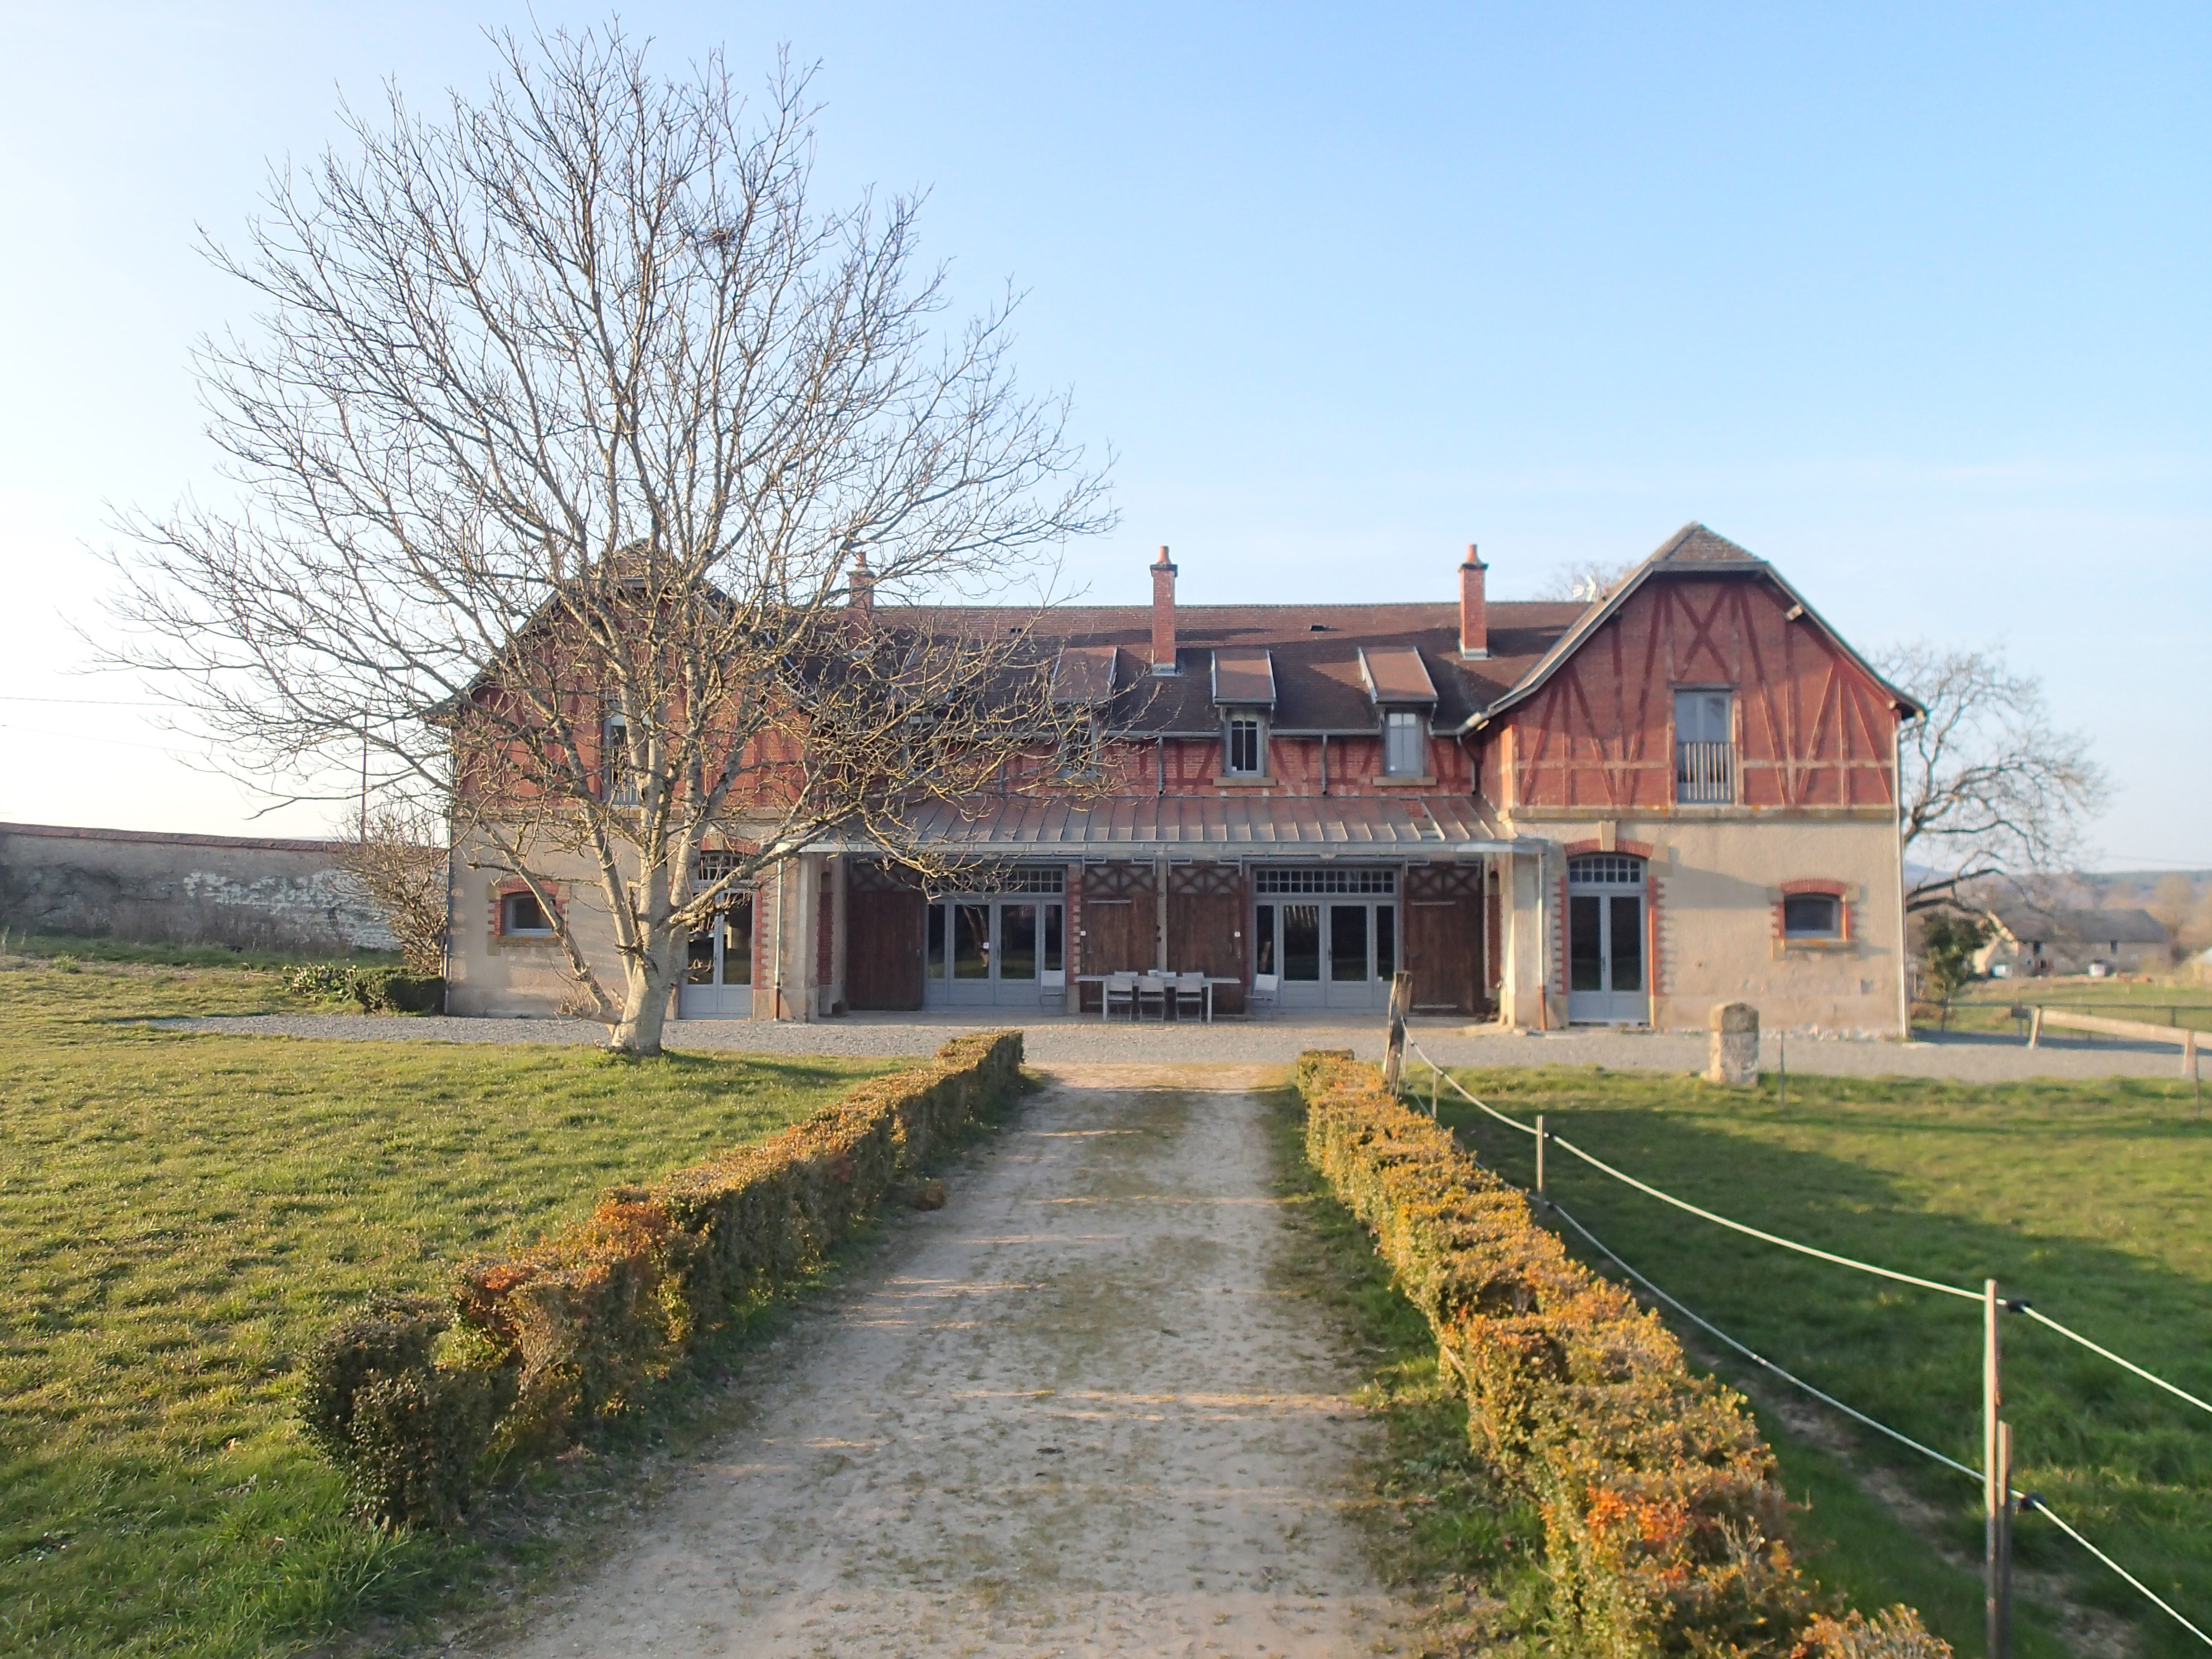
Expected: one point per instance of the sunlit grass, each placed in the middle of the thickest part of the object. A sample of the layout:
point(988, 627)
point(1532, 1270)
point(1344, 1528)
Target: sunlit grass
point(180, 1215)
point(2092, 1199)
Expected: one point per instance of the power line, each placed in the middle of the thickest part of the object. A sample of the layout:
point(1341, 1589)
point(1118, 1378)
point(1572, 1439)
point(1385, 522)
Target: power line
point(88, 703)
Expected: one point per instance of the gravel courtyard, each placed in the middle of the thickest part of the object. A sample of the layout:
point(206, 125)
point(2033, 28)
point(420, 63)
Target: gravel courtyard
point(1056, 1040)
point(1074, 1417)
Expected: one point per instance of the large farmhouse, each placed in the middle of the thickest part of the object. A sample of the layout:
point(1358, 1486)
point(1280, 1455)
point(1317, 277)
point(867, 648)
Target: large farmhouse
point(1623, 812)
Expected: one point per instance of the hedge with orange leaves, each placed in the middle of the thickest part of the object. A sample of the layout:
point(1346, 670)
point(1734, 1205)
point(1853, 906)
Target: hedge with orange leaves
point(413, 1400)
point(1663, 1522)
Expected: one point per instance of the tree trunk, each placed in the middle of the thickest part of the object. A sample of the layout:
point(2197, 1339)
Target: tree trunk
point(647, 982)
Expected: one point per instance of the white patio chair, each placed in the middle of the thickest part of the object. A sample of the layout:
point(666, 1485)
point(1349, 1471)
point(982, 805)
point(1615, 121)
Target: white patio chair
point(1189, 995)
point(1261, 997)
point(1152, 988)
point(1118, 987)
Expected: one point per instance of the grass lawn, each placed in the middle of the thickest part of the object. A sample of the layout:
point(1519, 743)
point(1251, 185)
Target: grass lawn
point(1987, 1004)
point(181, 1215)
point(2091, 1200)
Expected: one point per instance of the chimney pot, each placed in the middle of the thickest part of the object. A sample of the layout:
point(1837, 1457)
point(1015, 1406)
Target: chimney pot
point(1163, 624)
point(861, 585)
point(1473, 609)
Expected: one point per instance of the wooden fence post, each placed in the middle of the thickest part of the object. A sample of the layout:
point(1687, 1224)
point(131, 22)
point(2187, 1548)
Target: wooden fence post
point(1394, 1051)
point(1997, 1486)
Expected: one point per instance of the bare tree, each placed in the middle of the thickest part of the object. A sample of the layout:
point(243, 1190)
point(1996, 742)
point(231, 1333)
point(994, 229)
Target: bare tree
point(594, 478)
point(1991, 789)
point(399, 856)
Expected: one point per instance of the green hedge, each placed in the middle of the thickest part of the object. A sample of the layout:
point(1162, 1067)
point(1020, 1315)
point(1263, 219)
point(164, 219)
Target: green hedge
point(414, 1399)
point(1664, 1520)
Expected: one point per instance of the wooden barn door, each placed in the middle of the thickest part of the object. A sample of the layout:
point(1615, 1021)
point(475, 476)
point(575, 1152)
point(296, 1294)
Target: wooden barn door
point(884, 918)
point(1443, 906)
point(1119, 921)
point(1206, 927)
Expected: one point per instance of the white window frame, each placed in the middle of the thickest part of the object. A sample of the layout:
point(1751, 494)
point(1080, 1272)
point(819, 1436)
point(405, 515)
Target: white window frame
point(1705, 767)
point(618, 787)
point(1415, 762)
point(1834, 930)
point(1258, 724)
point(508, 929)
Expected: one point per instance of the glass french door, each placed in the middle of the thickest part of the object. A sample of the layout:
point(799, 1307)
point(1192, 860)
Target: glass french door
point(1607, 980)
point(718, 967)
point(1334, 953)
point(983, 951)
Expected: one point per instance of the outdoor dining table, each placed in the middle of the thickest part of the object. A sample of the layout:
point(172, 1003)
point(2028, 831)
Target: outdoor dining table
point(1168, 979)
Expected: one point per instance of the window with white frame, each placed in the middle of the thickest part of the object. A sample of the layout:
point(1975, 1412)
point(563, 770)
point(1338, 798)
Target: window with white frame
point(1247, 746)
point(1704, 747)
point(521, 916)
point(618, 787)
point(1405, 744)
point(1812, 915)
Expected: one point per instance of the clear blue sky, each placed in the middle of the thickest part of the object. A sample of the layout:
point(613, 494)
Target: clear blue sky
point(1911, 300)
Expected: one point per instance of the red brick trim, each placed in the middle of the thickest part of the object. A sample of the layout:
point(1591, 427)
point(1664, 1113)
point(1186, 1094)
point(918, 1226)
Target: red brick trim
point(1655, 892)
point(1635, 849)
point(1838, 891)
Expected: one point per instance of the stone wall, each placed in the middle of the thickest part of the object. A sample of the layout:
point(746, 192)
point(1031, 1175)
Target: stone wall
point(248, 893)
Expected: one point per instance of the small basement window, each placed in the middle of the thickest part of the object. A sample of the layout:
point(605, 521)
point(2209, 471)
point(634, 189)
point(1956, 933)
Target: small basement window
point(1812, 915)
point(521, 913)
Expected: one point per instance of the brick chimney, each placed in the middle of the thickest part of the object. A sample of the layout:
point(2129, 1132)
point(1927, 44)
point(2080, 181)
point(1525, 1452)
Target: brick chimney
point(861, 590)
point(1473, 611)
point(1164, 640)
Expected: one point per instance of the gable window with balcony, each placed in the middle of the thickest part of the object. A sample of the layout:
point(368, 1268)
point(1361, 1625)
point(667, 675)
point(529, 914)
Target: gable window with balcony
point(1704, 748)
point(1245, 754)
point(618, 787)
point(1405, 744)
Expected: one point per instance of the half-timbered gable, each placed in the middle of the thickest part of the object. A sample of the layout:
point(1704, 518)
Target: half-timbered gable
point(1703, 680)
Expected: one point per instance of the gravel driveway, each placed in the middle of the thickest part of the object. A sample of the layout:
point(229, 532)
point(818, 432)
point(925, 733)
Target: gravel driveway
point(1278, 1041)
point(1077, 1417)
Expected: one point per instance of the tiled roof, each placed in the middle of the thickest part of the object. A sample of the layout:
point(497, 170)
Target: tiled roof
point(2085, 927)
point(1313, 653)
point(1246, 676)
point(1692, 550)
point(1395, 674)
point(1150, 825)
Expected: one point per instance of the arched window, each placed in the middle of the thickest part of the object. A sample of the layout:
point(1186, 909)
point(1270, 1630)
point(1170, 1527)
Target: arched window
point(1605, 870)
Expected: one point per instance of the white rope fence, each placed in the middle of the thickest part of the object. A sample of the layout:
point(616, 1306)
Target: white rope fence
point(2028, 1502)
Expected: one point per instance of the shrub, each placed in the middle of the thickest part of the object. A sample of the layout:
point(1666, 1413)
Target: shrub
point(1948, 942)
point(575, 1328)
point(378, 990)
point(1892, 1634)
point(407, 1430)
point(1662, 1521)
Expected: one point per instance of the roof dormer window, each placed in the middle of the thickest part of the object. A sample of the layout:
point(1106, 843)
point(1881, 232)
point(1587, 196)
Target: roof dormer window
point(1405, 744)
point(1245, 751)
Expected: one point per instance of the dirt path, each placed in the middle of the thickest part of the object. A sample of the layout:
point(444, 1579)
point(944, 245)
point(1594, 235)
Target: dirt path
point(1075, 1417)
